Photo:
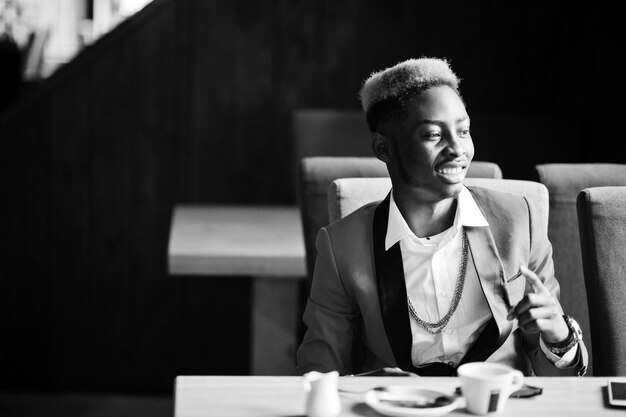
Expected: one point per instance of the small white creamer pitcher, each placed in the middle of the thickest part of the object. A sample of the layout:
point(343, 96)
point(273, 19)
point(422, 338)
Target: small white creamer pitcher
point(322, 398)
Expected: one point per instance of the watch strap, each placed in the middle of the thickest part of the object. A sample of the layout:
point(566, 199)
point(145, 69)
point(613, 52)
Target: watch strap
point(575, 335)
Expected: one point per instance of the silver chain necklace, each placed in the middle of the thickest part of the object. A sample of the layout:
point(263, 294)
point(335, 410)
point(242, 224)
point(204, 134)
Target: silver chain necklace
point(436, 328)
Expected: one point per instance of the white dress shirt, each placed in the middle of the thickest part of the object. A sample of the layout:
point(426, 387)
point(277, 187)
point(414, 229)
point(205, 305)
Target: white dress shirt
point(431, 269)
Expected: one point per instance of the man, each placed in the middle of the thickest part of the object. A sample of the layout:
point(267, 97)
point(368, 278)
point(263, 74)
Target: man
point(428, 278)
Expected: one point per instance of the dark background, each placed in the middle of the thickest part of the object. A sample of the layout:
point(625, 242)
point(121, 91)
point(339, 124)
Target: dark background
point(190, 101)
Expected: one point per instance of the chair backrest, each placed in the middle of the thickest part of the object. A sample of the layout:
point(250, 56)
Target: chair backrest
point(315, 176)
point(317, 173)
point(602, 222)
point(564, 182)
point(348, 194)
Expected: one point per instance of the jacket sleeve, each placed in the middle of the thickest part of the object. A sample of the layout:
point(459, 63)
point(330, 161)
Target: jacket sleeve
point(331, 316)
point(541, 263)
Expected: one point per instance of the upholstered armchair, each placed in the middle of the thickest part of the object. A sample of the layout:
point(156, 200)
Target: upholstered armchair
point(602, 224)
point(564, 182)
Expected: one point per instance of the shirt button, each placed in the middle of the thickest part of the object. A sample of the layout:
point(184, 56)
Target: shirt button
point(448, 331)
point(450, 363)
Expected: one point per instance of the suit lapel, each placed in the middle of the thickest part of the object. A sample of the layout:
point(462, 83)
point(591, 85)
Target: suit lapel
point(392, 289)
point(486, 261)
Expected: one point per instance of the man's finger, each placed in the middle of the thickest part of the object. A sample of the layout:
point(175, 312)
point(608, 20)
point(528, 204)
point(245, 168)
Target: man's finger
point(535, 314)
point(531, 300)
point(534, 281)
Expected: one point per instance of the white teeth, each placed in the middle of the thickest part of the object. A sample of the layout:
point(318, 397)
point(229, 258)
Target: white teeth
point(450, 171)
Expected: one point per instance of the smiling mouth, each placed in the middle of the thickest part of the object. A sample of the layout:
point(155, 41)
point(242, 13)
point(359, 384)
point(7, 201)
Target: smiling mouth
point(451, 171)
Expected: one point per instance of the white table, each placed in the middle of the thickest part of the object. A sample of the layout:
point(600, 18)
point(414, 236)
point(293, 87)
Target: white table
point(264, 242)
point(204, 396)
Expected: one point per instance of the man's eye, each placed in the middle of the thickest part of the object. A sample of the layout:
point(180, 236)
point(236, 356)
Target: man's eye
point(433, 135)
point(464, 132)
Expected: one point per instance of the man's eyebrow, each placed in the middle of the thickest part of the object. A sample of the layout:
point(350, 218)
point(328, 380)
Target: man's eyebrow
point(429, 122)
point(440, 122)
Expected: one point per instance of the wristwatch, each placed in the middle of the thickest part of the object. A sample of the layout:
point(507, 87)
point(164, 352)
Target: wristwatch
point(575, 336)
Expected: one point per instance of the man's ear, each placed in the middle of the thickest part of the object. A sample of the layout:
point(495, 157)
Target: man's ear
point(380, 145)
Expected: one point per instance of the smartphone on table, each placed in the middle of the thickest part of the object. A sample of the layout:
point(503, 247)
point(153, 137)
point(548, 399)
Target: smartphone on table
point(617, 391)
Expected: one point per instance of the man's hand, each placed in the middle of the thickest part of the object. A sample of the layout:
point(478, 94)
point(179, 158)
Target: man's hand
point(538, 311)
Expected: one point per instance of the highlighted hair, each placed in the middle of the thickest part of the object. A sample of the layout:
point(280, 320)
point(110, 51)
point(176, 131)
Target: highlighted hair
point(387, 94)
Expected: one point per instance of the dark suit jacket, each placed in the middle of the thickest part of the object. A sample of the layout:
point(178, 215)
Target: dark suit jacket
point(357, 316)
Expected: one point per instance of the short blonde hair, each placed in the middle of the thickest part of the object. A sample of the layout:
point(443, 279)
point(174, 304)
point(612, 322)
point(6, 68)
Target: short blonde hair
point(386, 94)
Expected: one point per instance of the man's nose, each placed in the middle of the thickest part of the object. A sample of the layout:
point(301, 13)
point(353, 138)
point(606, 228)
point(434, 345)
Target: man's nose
point(454, 145)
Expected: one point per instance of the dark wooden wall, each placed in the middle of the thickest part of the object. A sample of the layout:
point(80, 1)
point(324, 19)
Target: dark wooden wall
point(190, 102)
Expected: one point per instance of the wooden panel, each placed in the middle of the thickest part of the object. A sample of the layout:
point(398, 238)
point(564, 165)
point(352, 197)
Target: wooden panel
point(69, 317)
point(26, 260)
point(237, 107)
point(109, 283)
point(154, 309)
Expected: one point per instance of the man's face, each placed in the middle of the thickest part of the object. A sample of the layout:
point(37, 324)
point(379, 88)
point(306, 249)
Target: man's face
point(432, 149)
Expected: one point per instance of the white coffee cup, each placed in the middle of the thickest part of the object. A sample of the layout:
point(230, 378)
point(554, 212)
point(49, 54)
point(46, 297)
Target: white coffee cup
point(486, 386)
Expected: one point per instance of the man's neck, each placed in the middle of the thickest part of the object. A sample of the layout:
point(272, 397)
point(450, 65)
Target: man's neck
point(426, 218)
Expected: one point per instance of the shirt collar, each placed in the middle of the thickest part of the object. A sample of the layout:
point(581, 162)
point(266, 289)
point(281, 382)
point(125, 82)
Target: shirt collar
point(467, 214)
